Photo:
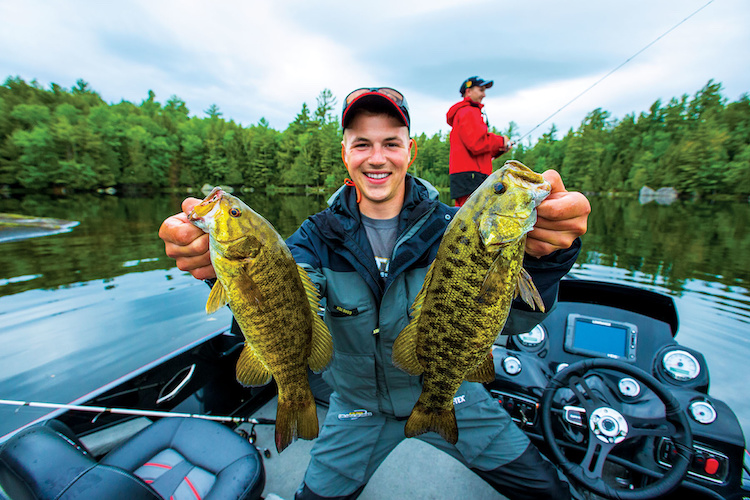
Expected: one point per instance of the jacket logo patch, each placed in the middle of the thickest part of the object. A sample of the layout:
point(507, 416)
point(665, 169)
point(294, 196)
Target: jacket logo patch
point(459, 399)
point(355, 414)
point(340, 312)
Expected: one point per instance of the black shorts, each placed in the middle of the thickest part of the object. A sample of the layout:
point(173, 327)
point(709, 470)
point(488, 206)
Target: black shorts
point(530, 476)
point(464, 183)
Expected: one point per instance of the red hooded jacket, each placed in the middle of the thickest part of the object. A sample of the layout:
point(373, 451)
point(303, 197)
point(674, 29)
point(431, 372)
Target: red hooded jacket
point(472, 146)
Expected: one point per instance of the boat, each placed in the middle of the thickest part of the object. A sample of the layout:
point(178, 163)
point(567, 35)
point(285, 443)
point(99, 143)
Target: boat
point(19, 227)
point(601, 387)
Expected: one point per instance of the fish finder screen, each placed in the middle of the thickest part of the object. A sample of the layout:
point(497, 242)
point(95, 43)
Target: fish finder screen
point(598, 337)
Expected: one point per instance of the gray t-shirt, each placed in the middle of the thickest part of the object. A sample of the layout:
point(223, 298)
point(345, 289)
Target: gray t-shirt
point(382, 234)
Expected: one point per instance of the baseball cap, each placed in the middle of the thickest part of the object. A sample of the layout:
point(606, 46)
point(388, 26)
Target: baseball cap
point(374, 98)
point(474, 81)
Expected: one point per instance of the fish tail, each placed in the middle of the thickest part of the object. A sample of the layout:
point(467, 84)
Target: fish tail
point(295, 419)
point(424, 419)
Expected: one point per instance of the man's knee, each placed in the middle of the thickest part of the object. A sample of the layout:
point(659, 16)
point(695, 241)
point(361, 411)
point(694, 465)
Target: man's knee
point(305, 493)
point(529, 476)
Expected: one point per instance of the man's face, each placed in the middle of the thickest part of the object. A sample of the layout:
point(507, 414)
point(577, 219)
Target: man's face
point(476, 94)
point(377, 151)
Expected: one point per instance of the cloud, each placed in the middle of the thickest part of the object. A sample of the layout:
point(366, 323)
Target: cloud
point(264, 59)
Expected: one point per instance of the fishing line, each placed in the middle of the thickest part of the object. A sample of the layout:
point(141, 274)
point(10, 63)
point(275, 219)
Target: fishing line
point(136, 412)
point(614, 70)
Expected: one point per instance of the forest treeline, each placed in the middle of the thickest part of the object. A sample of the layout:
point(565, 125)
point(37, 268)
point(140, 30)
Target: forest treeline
point(72, 138)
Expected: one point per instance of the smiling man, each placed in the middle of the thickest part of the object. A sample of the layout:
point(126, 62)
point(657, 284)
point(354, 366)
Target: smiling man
point(368, 254)
point(376, 150)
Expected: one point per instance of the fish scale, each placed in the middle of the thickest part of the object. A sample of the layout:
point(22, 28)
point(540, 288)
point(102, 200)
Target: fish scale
point(467, 293)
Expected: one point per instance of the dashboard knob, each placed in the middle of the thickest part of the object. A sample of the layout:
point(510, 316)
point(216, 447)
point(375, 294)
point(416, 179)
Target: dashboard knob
point(629, 387)
point(702, 412)
point(512, 365)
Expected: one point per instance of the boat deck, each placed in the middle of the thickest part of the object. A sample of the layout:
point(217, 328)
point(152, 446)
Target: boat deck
point(414, 470)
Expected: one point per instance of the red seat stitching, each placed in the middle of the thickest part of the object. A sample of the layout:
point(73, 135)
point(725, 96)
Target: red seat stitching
point(195, 492)
point(152, 464)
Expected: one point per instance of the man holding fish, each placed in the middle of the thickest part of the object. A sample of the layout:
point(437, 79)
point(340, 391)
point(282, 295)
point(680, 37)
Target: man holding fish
point(369, 255)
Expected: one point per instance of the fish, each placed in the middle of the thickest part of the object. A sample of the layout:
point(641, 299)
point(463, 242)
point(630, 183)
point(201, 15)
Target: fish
point(275, 304)
point(467, 294)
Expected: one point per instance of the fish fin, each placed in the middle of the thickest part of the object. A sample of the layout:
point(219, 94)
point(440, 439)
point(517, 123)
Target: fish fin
point(485, 372)
point(251, 371)
point(528, 292)
point(424, 420)
point(321, 349)
point(322, 344)
point(295, 419)
point(217, 299)
point(248, 285)
point(310, 289)
point(405, 350)
point(416, 307)
point(405, 347)
point(492, 281)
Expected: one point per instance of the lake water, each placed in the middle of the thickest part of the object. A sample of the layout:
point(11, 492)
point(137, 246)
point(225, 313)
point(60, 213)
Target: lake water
point(80, 309)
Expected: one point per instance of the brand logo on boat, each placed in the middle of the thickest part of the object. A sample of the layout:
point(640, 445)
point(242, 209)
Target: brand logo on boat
point(459, 399)
point(355, 414)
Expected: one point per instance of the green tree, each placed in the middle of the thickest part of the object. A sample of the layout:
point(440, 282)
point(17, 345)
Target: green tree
point(58, 137)
point(294, 148)
point(36, 159)
point(326, 104)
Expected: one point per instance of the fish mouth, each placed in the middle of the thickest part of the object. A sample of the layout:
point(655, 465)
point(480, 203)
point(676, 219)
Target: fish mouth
point(206, 207)
point(226, 242)
point(200, 220)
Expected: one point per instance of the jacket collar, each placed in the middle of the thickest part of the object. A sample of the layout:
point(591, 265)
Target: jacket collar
point(344, 200)
point(465, 103)
point(339, 226)
point(468, 100)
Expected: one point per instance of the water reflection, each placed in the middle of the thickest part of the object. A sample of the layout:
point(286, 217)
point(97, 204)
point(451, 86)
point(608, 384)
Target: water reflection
point(664, 245)
point(116, 236)
point(697, 252)
point(670, 245)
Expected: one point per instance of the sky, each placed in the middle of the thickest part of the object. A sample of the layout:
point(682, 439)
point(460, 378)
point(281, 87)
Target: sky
point(265, 59)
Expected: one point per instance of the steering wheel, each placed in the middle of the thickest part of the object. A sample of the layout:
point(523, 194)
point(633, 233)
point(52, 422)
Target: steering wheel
point(608, 427)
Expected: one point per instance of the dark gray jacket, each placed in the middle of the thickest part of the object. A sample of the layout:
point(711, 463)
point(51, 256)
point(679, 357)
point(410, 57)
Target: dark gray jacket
point(365, 314)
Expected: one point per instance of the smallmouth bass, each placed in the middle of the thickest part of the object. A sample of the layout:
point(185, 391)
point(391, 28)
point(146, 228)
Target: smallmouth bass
point(467, 294)
point(274, 302)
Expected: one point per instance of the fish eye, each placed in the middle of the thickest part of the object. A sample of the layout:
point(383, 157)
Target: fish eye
point(235, 212)
point(499, 188)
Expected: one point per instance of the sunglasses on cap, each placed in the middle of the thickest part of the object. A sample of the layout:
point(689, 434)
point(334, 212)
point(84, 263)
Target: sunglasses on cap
point(390, 95)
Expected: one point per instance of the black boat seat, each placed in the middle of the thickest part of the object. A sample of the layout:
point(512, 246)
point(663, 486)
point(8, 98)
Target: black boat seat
point(174, 458)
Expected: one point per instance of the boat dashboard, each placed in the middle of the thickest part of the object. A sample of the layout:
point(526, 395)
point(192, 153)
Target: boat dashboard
point(604, 389)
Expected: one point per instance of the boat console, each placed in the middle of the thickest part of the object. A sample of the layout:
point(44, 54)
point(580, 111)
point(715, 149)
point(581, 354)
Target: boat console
point(604, 390)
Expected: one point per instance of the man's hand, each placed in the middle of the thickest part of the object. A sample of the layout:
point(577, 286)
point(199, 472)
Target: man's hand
point(561, 218)
point(187, 243)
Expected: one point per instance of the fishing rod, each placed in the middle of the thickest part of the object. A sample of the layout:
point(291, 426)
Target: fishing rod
point(141, 413)
point(513, 143)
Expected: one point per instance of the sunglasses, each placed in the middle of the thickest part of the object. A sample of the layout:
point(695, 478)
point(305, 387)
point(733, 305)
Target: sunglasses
point(391, 94)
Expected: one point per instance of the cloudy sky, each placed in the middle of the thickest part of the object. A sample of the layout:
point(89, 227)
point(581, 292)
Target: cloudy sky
point(264, 59)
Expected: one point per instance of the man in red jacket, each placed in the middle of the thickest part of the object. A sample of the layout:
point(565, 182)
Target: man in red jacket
point(472, 146)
